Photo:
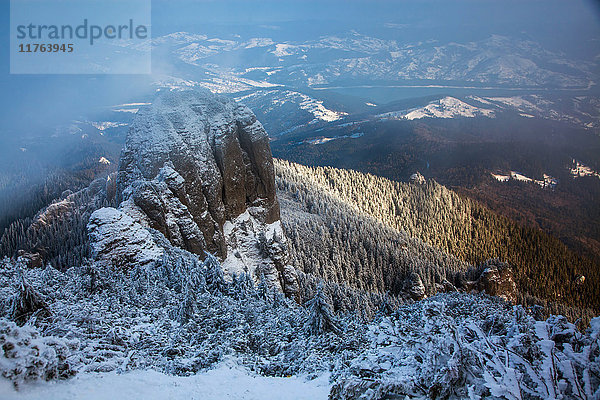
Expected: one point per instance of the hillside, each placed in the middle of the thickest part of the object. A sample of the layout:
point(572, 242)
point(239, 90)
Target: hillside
point(544, 267)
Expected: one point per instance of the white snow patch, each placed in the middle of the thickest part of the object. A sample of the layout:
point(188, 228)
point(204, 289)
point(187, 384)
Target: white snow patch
point(316, 108)
point(321, 140)
point(245, 246)
point(104, 160)
point(223, 382)
point(501, 178)
point(258, 42)
point(132, 104)
point(448, 107)
point(128, 110)
point(104, 125)
point(283, 49)
point(547, 181)
point(579, 169)
point(329, 139)
point(519, 176)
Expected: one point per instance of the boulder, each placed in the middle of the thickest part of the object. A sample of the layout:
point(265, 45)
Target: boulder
point(118, 241)
point(413, 287)
point(31, 260)
point(497, 280)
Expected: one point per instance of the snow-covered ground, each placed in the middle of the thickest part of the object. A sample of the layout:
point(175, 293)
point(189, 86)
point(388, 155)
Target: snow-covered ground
point(547, 181)
point(322, 140)
point(579, 169)
point(277, 98)
point(227, 381)
point(447, 107)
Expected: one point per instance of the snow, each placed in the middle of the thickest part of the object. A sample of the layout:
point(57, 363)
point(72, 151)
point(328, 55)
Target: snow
point(283, 49)
point(226, 381)
point(127, 110)
point(579, 169)
point(547, 181)
point(317, 108)
point(132, 104)
point(258, 42)
point(104, 161)
point(501, 178)
point(447, 107)
point(323, 140)
point(102, 126)
point(465, 348)
point(519, 176)
point(245, 237)
point(279, 98)
point(115, 235)
point(517, 102)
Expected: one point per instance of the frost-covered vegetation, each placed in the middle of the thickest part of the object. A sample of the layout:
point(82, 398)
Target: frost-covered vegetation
point(333, 239)
point(461, 346)
point(371, 232)
point(180, 316)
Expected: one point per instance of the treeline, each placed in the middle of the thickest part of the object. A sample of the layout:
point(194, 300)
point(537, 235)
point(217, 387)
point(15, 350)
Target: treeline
point(544, 267)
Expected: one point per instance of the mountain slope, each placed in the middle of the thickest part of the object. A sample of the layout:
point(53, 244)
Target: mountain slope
point(544, 267)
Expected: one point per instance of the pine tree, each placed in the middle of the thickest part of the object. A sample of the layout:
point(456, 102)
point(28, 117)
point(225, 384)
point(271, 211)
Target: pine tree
point(321, 318)
point(215, 281)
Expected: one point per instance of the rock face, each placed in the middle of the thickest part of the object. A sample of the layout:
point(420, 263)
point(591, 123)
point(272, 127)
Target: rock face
point(498, 280)
point(208, 154)
point(198, 168)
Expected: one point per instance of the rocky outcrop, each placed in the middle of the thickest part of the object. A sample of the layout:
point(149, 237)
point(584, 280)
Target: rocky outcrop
point(413, 287)
point(445, 287)
point(417, 178)
point(496, 279)
point(212, 155)
point(31, 260)
point(198, 168)
point(119, 241)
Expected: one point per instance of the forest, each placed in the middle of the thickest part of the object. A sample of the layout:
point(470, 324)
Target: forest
point(454, 231)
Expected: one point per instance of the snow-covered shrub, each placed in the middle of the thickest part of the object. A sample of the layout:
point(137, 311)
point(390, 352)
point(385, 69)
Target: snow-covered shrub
point(464, 346)
point(180, 316)
point(27, 355)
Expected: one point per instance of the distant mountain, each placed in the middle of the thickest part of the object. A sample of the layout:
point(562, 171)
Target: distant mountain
point(358, 59)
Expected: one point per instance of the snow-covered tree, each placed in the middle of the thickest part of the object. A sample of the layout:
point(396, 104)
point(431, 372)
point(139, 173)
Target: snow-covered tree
point(321, 318)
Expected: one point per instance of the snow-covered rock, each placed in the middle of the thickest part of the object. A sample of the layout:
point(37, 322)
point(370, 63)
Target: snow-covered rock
point(417, 178)
point(119, 241)
point(195, 163)
point(447, 107)
point(414, 287)
point(497, 279)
